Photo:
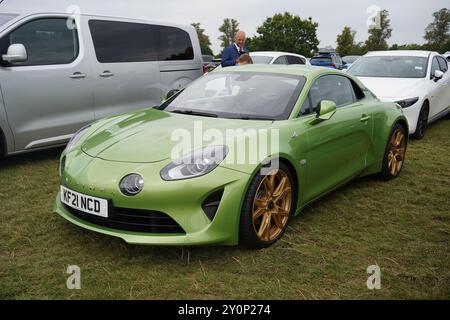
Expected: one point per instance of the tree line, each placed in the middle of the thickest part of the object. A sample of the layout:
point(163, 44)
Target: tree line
point(291, 33)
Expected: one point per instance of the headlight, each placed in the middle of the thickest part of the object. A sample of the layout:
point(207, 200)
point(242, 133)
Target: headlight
point(199, 163)
point(407, 102)
point(76, 137)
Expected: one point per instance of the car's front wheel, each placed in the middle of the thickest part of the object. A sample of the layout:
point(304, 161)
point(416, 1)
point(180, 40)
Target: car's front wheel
point(394, 155)
point(422, 123)
point(268, 206)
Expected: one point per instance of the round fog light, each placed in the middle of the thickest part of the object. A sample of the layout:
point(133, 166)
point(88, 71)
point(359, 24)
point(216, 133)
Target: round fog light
point(131, 184)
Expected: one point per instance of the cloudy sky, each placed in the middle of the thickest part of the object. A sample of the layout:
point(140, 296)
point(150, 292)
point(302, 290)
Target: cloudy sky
point(408, 17)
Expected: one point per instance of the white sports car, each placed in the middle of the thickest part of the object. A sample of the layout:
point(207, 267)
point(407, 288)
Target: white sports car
point(419, 81)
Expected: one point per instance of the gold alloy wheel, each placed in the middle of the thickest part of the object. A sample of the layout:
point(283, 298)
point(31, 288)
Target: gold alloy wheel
point(396, 154)
point(272, 205)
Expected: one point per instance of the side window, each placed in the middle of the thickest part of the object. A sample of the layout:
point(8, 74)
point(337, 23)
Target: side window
point(122, 41)
point(116, 41)
point(331, 87)
point(338, 60)
point(359, 94)
point(295, 60)
point(47, 41)
point(306, 107)
point(280, 60)
point(442, 64)
point(173, 44)
point(434, 66)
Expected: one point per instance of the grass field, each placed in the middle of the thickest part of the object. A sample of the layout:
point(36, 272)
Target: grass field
point(403, 226)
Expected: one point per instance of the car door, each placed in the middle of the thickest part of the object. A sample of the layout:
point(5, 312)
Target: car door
point(445, 82)
point(125, 66)
point(50, 95)
point(337, 148)
point(439, 88)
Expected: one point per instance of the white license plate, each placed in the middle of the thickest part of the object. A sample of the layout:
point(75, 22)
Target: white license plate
point(82, 202)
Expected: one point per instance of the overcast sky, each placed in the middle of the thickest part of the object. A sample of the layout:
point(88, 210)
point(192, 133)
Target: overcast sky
point(408, 18)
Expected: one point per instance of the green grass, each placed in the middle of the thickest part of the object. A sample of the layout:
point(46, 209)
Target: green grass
point(401, 225)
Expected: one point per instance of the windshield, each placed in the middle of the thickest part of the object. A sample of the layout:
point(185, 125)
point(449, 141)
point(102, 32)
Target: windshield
point(5, 17)
point(318, 60)
point(390, 67)
point(239, 95)
point(349, 59)
point(261, 59)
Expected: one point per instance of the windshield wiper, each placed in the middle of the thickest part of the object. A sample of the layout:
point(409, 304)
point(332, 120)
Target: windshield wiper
point(195, 113)
point(254, 118)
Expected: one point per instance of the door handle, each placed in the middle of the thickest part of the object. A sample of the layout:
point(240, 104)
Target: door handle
point(365, 118)
point(77, 75)
point(106, 74)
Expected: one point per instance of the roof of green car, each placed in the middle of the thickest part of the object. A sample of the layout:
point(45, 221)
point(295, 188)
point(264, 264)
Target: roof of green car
point(283, 69)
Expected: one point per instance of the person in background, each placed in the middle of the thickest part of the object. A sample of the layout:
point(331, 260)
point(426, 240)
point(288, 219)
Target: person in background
point(244, 59)
point(233, 52)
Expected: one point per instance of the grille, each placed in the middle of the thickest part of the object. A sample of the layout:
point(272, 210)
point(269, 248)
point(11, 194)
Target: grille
point(147, 221)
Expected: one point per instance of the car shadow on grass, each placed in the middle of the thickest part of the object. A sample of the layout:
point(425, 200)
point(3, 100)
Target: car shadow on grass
point(35, 157)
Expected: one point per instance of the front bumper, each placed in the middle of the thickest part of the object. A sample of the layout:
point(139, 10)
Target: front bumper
point(181, 200)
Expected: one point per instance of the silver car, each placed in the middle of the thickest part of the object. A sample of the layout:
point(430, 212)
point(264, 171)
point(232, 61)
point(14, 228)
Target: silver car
point(59, 72)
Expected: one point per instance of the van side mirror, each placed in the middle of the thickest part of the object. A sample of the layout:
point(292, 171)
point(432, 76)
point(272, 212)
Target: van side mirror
point(16, 53)
point(438, 74)
point(171, 93)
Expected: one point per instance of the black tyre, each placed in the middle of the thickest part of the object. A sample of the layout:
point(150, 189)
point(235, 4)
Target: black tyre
point(422, 122)
point(394, 154)
point(268, 206)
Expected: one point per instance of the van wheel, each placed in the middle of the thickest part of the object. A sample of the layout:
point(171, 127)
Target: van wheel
point(422, 122)
point(268, 207)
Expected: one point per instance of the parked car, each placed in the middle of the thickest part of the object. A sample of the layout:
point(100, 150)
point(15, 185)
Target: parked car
point(59, 73)
point(127, 177)
point(348, 61)
point(277, 57)
point(208, 63)
point(329, 60)
point(419, 81)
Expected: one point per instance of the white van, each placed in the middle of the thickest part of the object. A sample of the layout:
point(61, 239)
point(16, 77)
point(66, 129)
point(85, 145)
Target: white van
point(59, 71)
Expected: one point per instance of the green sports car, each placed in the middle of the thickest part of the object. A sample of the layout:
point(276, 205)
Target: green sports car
point(229, 159)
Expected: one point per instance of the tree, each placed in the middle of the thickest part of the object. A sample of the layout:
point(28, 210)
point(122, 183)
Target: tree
point(286, 32)
point(346, 41)
point(205, 43)
point(437, 32)
point(408, 46)
point(229, 28)
point(378, 34)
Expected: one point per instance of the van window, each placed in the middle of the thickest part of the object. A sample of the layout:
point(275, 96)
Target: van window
point(47, 41)
point(173, 44)
point(116, 41)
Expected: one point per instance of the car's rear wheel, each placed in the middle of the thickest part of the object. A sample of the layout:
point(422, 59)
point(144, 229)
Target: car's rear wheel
point(394, 155)
point(268, 206)
point(422, 123)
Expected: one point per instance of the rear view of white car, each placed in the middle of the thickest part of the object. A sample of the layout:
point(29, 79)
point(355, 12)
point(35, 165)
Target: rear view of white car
point(419, 81)
point(277, 57)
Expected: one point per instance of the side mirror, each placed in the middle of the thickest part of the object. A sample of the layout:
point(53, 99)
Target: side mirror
point(326, 110)
point(438, 74)
point(171, 93)
point(16, 53)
